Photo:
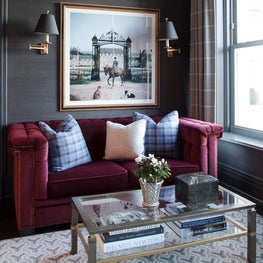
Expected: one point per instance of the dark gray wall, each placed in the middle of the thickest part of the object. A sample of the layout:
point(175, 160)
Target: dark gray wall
point(240, 169)
point(31, 89)
point(34, 80)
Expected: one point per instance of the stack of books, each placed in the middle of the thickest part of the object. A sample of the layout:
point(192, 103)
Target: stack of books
point(130, 238)
point(194, 226)
point(111, 211)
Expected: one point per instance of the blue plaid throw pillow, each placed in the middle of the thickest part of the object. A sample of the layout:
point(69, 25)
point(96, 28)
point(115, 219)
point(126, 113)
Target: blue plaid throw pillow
point(67, 147)
point(161, 137)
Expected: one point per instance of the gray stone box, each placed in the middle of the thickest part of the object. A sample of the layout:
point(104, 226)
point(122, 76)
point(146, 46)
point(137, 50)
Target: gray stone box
point(196, 189)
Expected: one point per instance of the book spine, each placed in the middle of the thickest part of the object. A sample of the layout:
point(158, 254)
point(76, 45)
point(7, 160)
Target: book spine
point(209, 228)
point(130, 243)
point(175, 228)
point(203, 221)
point(147, 232)
point(127, 230)
point(196, 221)
point(132, 229)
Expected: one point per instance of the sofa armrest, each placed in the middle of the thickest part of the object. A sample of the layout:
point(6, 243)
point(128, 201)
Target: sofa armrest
point(29, 149)
point(199, 143)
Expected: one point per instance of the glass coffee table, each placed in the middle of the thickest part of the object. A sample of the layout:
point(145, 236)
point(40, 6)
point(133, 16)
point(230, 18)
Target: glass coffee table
point(228, 202)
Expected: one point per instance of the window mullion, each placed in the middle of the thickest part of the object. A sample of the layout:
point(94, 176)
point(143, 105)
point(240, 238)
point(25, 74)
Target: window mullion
point(233, 26)
point(248, 44)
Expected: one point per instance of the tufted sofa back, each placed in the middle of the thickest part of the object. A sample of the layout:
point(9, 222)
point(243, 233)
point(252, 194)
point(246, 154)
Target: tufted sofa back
point(94, 132)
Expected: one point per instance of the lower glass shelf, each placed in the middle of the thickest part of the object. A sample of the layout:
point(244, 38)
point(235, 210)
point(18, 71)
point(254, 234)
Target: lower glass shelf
point(174, 242)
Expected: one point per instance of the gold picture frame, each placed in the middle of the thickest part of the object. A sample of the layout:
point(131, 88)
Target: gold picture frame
point(109, 57)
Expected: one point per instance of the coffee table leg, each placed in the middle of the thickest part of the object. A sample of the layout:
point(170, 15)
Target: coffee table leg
point(74, 234)
point(92, 249)
point(251, 235)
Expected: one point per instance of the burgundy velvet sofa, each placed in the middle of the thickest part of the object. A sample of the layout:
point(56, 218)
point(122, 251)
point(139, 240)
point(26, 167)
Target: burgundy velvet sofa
point(43, 199)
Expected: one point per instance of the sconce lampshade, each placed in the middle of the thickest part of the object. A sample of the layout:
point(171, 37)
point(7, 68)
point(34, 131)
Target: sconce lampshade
point(167, 31)
point(47, 25)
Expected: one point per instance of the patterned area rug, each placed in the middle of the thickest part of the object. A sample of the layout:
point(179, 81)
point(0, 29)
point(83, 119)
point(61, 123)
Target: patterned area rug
point(54, 247)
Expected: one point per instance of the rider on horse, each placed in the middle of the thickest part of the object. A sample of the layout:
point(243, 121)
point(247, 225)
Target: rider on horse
point(115, 66)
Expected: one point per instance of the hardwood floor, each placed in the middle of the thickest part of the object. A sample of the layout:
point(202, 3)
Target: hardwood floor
point(8, 227)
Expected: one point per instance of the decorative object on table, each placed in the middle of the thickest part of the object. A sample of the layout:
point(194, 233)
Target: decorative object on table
point(111, 211)
point(151, 172)
point(197, 189)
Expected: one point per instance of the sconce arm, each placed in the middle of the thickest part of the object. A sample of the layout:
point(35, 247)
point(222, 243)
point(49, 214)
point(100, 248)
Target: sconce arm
point(170, 49)
point(43, 47)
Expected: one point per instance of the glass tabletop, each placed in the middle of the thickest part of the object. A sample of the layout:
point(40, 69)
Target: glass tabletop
point(124, 210)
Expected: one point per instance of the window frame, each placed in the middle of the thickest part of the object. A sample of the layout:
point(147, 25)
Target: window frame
point(230, 45)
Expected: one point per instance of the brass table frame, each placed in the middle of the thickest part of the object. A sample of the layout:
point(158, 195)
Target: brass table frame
point(240, 203)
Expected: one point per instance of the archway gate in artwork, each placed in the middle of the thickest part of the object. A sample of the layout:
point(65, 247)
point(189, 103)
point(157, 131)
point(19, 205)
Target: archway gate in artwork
point(110, 37)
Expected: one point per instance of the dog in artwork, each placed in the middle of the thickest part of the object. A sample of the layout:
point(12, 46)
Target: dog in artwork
point(129, 95)
point(96, 94)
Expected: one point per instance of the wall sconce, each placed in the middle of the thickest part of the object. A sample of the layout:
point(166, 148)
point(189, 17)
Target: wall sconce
point(167, 33)
point(46, 25)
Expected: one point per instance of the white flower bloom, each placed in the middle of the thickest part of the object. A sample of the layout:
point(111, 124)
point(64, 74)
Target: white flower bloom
point(138, 159)
point(152, 169)
point(154, 160)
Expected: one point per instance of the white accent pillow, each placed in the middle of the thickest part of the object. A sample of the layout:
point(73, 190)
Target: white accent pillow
point(125, 142)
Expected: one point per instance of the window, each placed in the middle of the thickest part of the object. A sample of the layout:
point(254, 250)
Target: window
point(246, 66)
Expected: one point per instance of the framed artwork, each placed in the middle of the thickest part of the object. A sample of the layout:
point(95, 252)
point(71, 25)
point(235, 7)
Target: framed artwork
point(109, 57)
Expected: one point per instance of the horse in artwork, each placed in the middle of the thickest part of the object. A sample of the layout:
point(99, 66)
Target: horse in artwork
point(110, 70)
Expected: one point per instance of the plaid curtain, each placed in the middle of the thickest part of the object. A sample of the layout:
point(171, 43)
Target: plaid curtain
point(202, 60)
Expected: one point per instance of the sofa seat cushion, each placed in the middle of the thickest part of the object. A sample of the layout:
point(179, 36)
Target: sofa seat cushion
point(177, 167)
point(92, 178)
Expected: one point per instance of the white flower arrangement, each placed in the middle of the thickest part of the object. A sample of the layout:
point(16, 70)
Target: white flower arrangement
point(151, 169)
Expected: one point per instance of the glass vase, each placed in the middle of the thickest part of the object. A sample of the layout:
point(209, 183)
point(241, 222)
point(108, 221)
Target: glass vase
point(150, 193)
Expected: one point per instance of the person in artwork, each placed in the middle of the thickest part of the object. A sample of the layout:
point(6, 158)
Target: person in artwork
point(96, 95)
point(115, 66)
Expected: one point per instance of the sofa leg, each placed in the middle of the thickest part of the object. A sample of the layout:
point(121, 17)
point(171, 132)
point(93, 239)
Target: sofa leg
point(27, 232)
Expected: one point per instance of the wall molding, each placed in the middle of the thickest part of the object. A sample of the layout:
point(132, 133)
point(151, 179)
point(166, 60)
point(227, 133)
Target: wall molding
point(242, 183)
point(3, 94)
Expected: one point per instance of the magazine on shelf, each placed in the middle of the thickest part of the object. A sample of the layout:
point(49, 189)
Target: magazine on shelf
point(128, 235)
point(129, 243)
point(111, 211)
point(200, 230)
